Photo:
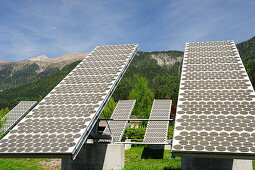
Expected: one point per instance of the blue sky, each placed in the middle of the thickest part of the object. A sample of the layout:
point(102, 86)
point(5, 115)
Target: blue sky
point(55, 27)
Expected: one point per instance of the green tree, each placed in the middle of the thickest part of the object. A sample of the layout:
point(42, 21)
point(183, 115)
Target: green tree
point(109, 108)
point(3, 120)
point(143, 96)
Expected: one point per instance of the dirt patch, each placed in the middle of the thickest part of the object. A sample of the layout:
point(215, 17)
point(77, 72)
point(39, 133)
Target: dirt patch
point(52, 164)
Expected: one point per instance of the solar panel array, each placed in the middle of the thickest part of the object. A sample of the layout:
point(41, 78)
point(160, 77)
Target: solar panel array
point(156, 131)
point(61, 122)
point(17, 113)
point(123, 110)
point(216, 107)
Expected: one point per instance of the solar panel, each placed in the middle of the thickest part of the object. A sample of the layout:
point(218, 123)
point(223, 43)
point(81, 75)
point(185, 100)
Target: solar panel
point(156, 131)
point(17, 113)
point(60, 124)
point(216, 105)
point(123, 110)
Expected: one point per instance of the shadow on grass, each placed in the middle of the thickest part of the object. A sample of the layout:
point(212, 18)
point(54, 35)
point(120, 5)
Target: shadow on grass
point(169, 168)
point(153, 152)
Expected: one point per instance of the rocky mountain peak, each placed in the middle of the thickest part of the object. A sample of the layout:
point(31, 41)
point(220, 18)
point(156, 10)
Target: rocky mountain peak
point(39, 58)
point(3, 61)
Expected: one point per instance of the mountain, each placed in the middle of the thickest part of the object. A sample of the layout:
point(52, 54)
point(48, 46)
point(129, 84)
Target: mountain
point(247, 53)
point(3, 61)
point(61, 59)
point(145, 64)
point(13, 74)
point(34, 90)
point(39, 58)
point(163, 79)
point(160, 68)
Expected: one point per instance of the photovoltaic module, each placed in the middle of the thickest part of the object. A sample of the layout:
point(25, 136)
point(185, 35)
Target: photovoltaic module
point(123, 110)
point(17, 113)
point(216, 105)
point(60, 124)
point(156, 131)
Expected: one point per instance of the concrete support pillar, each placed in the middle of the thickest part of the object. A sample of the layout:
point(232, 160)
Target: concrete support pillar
point(97, 156)
point(193, 163)
point(215, 164)
point(240, 164)
point(168, 147)
point(89, 141)
point(127, 146)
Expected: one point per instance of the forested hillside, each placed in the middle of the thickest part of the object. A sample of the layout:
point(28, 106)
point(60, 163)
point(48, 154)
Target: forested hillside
point(163, 81)
point(247, 53)
point(10, 78)
point(35, 90)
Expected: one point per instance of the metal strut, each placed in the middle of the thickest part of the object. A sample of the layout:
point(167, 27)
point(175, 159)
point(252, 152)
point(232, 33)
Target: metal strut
point(112, 139)
point(110, 119)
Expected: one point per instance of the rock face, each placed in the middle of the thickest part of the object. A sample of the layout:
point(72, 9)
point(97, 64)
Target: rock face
point(167, 58)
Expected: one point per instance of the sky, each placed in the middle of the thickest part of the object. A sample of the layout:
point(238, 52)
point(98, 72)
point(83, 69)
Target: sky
point(30, 28)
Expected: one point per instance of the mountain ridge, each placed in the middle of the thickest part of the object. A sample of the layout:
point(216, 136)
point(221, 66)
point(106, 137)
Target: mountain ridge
point(3, 61)
point(163, 79)
point(13, 74)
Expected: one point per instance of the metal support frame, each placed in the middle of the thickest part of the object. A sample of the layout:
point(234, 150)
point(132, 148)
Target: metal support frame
point(143, 143)
point(112, 138)
point(138, 119)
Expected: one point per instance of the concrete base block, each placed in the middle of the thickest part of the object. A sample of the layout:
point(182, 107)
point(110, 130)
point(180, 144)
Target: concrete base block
point(127, 146)
point(215, 164)
point(168, 147)
point(193, 163)
point(90, 141)
point(240, 164)
point(97, 156)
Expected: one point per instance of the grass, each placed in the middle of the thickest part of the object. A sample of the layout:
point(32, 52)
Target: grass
point(25, 163)
point(134, 160)
point(20, 164)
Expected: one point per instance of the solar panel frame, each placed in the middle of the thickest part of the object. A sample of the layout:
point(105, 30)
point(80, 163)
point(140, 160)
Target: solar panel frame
point(161, 109)
point(17, 113)
point(54, 106)
point(122, 110)
point(238, 81)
